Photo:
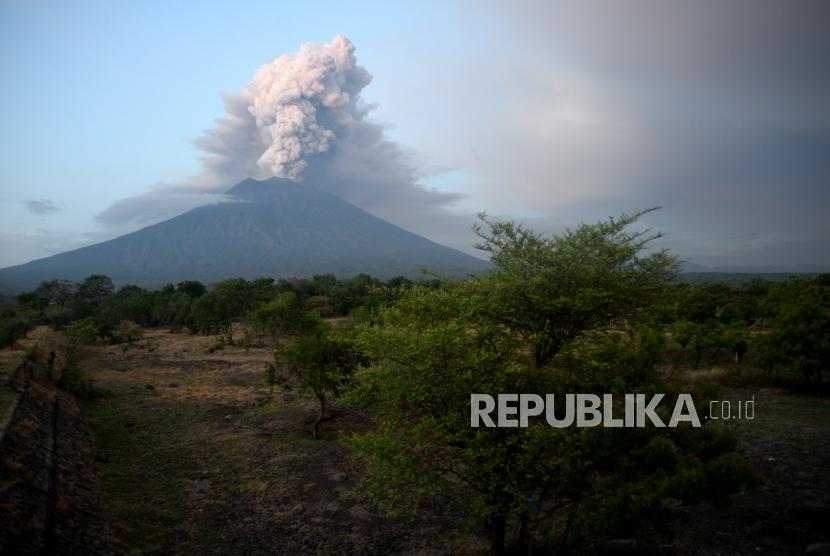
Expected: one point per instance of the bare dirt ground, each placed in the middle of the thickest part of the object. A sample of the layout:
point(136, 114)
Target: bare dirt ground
point(199, 458)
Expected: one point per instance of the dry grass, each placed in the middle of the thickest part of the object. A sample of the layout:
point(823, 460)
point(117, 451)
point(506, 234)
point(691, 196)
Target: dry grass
point(199, 457)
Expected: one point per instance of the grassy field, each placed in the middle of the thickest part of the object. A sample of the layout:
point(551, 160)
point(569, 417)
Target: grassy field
point(199, 457)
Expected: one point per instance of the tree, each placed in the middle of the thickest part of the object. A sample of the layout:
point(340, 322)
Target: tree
point(131, 303)
point(94, 289)
point(172, 308)
point(12, 328)
point(552, 289)
point(285, 314)
point(226, 302)
point(735, 339)
point(558, 315)
point(192, 288)
point(53, 292)
point(800, 339)
point(319, 362)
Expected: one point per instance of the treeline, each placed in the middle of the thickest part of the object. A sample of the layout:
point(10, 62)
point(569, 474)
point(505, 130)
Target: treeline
point(782, 328)
point(189, 305)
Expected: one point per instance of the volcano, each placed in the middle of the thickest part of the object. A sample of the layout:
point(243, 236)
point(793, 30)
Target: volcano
point(277, 228)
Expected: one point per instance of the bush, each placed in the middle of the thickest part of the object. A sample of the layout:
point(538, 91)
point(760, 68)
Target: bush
point(128, 332)
point(81, 332)
point(12, 330)
point(218, 344)
point(73, 380)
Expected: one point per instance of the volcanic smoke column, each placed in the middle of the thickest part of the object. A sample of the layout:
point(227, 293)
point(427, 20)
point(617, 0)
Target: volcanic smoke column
point(303, 102)
point(300, 116)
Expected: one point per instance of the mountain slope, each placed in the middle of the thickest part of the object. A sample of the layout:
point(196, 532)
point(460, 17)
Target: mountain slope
point(276, 228)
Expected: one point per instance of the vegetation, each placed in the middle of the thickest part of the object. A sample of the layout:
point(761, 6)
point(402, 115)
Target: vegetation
point(319, 362)
point(127, 332)
point(549, 319)
point(259, 303)
point(800, 341)
point(78, 334)
point(594, 309)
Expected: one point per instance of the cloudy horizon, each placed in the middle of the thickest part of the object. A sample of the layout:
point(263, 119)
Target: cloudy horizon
point(550, 113)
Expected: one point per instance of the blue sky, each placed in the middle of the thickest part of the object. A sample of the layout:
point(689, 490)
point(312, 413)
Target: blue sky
point(548, 112)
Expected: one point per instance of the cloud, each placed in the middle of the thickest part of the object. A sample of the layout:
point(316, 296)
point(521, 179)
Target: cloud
point(41, 206)
point(158, 204)
point(301, 117)
point(716, 111)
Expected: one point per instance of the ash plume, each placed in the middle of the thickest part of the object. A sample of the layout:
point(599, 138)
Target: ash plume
point(296, 106)
point(303, 102)
point(301, 117)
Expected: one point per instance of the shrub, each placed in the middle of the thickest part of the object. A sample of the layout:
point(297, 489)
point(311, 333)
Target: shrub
point(218, 344)
point(74, 381)
point(127, 331)
point(81, 332)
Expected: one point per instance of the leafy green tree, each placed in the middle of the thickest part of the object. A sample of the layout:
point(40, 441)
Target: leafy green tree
point(91, 292)
point(53, 292)
point(320, 362)
point(225, 303)
point(800, 339)
point(701, 303)
point(285, 314)
point(736, 339)
point(12, 328)
point(399, 282)
point(320, 304)
point(192, 288)
point(172, 308)
point(322, 283)
point(552, 289)
point(272, 376)
point(557, 315)
point(131, 303)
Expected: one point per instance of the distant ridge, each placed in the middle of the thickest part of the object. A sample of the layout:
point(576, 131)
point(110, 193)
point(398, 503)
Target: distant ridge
point(276, 227)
